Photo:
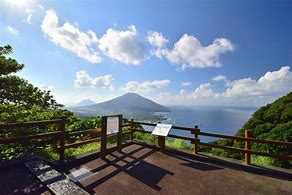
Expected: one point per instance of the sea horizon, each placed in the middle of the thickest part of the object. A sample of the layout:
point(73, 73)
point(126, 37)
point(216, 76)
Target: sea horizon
point(215, 119)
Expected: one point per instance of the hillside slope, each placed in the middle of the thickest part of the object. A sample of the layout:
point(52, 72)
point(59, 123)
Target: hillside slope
point(270, 122)
point(273, 121)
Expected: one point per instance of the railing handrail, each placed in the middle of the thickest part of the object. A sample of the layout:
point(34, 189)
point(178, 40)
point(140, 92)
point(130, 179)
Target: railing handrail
point(247, 139)
point(63, 134)
point(173, 126)
point(238, 138)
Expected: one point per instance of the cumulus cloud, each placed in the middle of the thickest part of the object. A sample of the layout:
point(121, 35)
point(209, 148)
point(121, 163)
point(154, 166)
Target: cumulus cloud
point(204, 91)
point(123, 46)
point(183, 84)
point(156, 39)
point(189, 53)
point(246, 91)
point(219, 78)
point(144, 87)
point(83, 79)
point(12, 30)
point(71, 38)
point(272, 84)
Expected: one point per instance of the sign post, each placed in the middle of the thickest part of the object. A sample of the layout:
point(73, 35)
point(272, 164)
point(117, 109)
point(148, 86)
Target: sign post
point(161, 130)
point(110, 125)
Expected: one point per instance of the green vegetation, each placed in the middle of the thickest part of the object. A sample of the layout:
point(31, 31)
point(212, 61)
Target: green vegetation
point(20, 101)
point(172, 143)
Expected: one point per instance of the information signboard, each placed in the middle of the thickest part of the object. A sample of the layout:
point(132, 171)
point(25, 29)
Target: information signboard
point(112, 125)
point(161, 129)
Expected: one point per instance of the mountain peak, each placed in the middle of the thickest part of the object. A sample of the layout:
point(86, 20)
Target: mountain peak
point(131, 94)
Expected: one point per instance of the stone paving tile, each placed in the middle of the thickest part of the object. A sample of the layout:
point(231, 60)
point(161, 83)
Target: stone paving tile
point(55, 181)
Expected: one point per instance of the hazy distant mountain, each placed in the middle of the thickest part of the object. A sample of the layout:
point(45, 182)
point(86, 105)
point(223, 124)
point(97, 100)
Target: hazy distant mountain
point(86, 102)
point(130, 105)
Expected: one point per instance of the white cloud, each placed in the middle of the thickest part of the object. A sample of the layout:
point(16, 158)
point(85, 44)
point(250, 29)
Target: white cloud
point(219, 78)
point(46, 87)
point(41, 7)
point(204, 91)
point(123, 46)
point(241, 92)
point(144, 87)
point(84, 80)
point(156, 39)
point(12, 30)
point(29, 12)
point(272, 84)
point(71, 38)
point(183, 84)
point(189, 53)
point(20, 8)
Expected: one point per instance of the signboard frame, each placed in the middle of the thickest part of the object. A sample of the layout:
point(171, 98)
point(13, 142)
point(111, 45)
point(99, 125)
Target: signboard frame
point(110, 127)
point(162, 129)
point(104, 134)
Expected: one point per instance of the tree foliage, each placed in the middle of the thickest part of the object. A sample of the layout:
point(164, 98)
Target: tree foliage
point(20, 101)
point(17, 91)
point(270, 122)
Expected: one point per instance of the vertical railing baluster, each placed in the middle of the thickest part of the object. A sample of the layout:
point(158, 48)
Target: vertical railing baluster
point(132, 129)
point(103, 141)
point(195, 132)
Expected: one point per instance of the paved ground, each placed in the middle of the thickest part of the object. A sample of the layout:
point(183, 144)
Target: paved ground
point(19, 180)
point(142, 170)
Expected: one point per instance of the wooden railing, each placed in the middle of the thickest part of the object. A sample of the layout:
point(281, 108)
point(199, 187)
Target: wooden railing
point(61, 135)
point(196, 141)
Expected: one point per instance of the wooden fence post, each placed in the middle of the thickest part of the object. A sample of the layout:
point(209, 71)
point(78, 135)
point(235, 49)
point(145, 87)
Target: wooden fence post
point(120, 134)
point(247, 147)
point(62, 141)
point(196, 135)
point(132, 131)
point(103, 140)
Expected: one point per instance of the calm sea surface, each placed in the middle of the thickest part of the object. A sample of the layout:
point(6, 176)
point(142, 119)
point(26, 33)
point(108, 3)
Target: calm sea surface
point(221, 120)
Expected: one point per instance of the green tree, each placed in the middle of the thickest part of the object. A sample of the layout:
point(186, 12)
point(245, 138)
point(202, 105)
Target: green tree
point(270, 122)
point(17, 91)
point(20, 101)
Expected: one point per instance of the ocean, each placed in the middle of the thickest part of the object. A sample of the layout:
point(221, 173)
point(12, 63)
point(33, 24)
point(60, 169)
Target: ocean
point(223, 120)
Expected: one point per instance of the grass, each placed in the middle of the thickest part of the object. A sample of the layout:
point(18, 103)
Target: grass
point(177, 144)
point(172, 143)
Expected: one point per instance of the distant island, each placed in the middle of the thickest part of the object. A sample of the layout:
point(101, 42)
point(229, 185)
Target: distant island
point(131, 105)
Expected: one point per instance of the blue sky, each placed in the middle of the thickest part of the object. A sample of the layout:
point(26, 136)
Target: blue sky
point(175, 52)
